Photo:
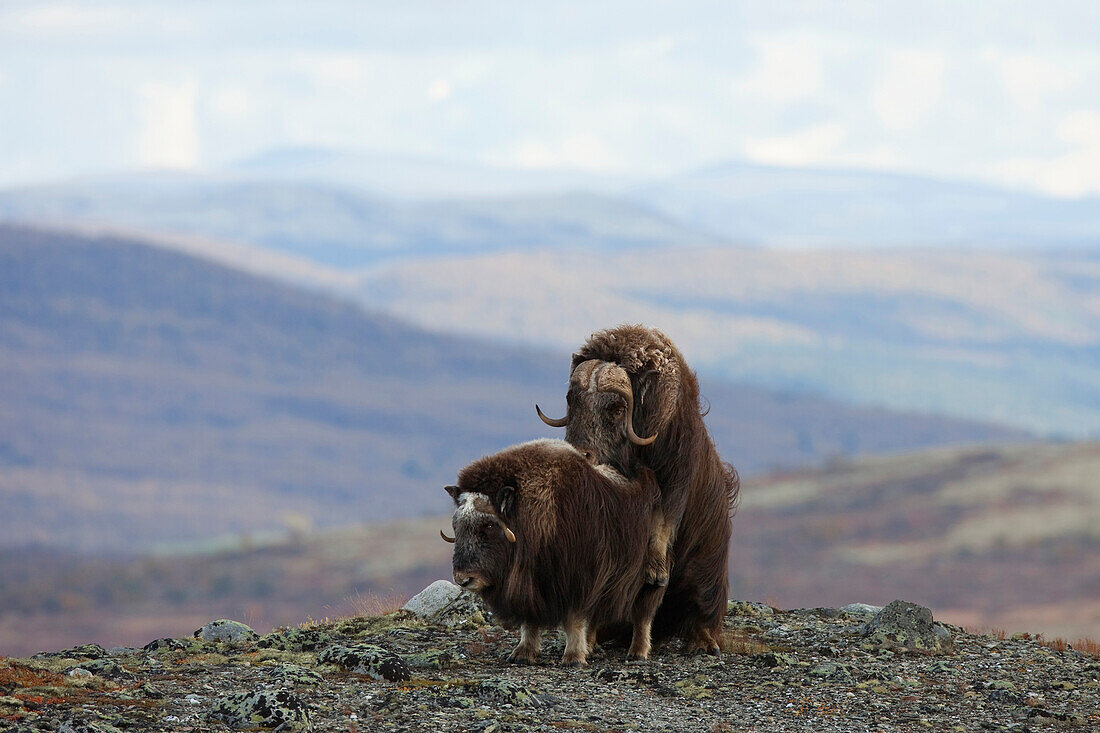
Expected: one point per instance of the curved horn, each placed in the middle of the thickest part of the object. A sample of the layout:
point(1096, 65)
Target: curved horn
point(507, 533)
point(448, 539)
point(559, 423)
point(623, 389)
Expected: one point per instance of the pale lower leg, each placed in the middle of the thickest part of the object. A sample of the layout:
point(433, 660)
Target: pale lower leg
point(530, 639)
point(576, 642)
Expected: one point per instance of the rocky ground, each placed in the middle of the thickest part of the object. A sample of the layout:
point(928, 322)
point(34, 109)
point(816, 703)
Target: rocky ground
point(438, 665)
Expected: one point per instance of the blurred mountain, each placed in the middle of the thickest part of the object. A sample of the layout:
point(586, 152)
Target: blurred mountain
point(1006, 337)
point(342, 227)
point(799, 207)
point(408, 177)
point(1005, 537)
point(150, 397)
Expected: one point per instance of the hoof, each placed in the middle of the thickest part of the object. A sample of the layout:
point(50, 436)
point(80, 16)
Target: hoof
point(514, 658)
point(574, 663)
point(636, 658)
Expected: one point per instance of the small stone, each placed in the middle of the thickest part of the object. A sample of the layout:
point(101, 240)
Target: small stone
point(227, 630)
point(446, 603)
point(79, 673)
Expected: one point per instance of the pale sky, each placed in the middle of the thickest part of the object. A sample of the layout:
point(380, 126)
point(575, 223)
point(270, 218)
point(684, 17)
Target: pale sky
point(1003, 92)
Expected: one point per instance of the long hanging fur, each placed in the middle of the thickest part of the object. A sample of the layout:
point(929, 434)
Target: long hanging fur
point(581, 533)
point(699, 491)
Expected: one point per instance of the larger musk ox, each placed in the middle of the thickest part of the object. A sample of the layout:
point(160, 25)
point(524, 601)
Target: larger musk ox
point(633, 403)
point(548, 539)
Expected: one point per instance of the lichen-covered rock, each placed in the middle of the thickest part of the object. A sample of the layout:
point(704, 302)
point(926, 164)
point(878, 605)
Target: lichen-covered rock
point(166, 644)
point(79, 726)
point(227, 630)
point(696, 687)
point(861, 609)
point(293, 675)
point(507, 691)
point(280, 709)
point(832, 671)
point(445, 603)
point(84, 651)
point(771, 659)
point(748, 608)
point(379, 663)
point(906, 626)
point(431, 659)
point(103, 667)
point(296, 639)
point(637, 676)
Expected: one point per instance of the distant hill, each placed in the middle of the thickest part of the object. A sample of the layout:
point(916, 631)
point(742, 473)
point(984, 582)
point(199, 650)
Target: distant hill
point(806, 207)
point(346, 228)
point(151, 397)
point(1008, 337)
point(1005, 537)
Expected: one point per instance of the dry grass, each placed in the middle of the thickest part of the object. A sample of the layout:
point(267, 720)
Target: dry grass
point(993, 631)
point(739, 642)
point(373, 604)
point(1085, 645)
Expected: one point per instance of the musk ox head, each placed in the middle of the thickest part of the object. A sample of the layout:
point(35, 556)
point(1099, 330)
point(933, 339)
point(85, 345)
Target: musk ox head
point(601, 414)
point(483, 551)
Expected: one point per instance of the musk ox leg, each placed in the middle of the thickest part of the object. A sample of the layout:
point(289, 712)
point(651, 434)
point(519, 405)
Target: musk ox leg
point(576, 642)
point(657, 555)
point(591, 641)
point(530, 640)
point(645, 607)
point(702, 641)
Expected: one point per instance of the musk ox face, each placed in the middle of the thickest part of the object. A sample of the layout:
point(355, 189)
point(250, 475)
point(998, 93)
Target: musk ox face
point(600, 417)
point(483, 542)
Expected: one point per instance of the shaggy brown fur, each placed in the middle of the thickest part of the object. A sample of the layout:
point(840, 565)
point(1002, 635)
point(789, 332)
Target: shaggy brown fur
point(699, 491)
point(578, 556)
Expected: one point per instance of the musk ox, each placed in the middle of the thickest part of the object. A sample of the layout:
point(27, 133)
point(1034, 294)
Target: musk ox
point(629, 382)
point(549, 539)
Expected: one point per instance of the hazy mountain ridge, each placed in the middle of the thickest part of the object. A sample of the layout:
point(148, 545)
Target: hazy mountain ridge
point(999, 336)
point(342, 227)
point(150, 396)
point(850, 208)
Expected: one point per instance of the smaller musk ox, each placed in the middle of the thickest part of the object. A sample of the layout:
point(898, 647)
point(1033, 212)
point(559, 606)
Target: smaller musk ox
point(629, 382)
point(548, 539)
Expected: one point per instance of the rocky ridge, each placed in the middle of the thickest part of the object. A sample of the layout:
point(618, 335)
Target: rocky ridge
point(438, 664)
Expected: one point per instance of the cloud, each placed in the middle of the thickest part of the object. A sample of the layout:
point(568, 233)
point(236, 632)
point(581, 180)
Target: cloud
point(169, 135)
point(787, 70)
point(584, 151)
point(439, 90)
point(910, 88)
point(811, 146)
point(1029, 79)
point(231, 104)
point(53, 19)
point(1075, 173)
